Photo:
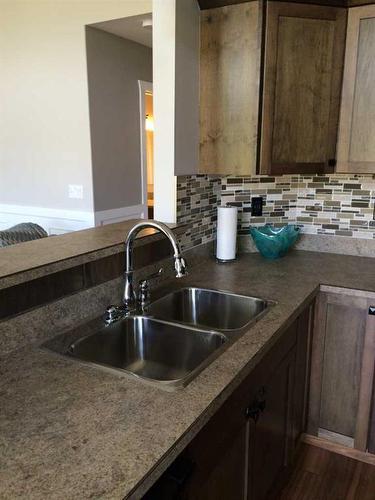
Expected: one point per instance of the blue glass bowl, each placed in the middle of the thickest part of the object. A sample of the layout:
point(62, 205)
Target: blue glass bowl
point(274, 242)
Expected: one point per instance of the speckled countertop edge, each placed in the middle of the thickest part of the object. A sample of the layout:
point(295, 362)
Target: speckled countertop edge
point(113, 436)
point(33, 259)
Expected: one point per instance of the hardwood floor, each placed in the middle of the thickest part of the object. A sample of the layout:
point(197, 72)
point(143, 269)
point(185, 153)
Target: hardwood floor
point(323, 475)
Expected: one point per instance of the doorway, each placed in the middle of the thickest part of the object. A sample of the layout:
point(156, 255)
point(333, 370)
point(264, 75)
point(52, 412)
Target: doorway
point(147, 145)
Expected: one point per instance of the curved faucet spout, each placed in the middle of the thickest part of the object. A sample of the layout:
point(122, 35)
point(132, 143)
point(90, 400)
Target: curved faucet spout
point(180, 265)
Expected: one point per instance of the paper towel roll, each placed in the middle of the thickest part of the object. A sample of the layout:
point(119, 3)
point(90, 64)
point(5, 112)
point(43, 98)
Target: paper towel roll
point(226, 242)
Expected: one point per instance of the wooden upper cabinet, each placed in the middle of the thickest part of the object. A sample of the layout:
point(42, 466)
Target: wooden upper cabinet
point(304, 52)
point(356, 145)
point(229, 88)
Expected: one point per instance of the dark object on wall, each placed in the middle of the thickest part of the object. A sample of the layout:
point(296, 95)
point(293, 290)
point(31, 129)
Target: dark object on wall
point(25, 231)
point(257, 206)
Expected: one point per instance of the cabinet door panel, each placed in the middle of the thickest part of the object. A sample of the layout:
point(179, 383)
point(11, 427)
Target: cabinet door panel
point(356, 144)
point(362, 143)
point(229, 88)
point(234, 456)
point(303, 64)
point(223, 475)
point(371, 434)
point(271, 435)
point(343, 357)
point(303, 352)
point(343, 349)
point(301, 129)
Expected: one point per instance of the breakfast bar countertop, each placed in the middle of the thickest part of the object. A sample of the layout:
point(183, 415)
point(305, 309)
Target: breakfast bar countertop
point(74, 431)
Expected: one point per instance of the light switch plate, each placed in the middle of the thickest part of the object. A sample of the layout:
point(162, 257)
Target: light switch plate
point(75, 191)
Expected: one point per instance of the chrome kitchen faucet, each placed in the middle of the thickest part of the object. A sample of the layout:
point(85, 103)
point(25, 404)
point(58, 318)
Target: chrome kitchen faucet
point(130, 299)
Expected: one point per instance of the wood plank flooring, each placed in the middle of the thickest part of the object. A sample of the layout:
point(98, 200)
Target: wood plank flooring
point(323, 475)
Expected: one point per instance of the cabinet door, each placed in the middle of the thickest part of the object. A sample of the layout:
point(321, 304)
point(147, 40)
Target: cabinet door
point(356, 144)
point(225, 453)
point(342, 367)
point(219, 471)
point(302, 372)
point(214, 464)
point(271, 435)
point(219, 452)
point(302, 83)
point(371, 434)
point(229, 88)
point(245, 448)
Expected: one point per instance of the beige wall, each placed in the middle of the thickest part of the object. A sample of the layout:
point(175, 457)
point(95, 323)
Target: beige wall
point(187, 87)
point(44, 113)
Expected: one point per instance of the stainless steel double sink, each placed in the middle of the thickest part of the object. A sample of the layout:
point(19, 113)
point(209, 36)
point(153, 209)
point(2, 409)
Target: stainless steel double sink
point(177, 336)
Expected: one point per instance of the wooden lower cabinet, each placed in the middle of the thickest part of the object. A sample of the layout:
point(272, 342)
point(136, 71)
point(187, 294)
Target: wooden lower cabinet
point(343, 356)
point(271, 444)
point(371, 433)
point(246, 449)
point(305, 326)
point(219, 461)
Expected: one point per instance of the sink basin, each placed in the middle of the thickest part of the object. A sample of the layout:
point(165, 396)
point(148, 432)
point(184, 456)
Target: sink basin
point(150, 349)
point(176, 337)
point(205, 308)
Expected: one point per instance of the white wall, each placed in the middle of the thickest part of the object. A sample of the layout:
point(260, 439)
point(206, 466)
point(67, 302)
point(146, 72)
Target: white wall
point(44, 113)
point(176, 98)
point(163, 45)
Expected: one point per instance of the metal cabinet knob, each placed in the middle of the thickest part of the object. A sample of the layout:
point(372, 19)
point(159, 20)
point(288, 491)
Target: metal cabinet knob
point(258, 406)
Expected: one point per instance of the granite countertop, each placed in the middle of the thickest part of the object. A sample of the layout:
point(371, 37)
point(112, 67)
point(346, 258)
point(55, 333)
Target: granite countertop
point(74, 431)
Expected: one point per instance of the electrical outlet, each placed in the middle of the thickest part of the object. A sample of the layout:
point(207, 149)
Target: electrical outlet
point(75, 191)
point(257, 206)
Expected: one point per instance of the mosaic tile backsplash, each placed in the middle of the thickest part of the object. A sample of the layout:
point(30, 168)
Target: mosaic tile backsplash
point(335, 204)
point(197, 199)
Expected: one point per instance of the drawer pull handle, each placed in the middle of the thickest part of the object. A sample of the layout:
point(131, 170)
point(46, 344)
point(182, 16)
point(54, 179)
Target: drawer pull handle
point(258, 406)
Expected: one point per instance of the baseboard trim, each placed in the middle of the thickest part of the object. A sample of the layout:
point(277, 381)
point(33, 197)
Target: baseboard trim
point(360, 456)
point(335, 437)
point(53, 220)
point(58, 221)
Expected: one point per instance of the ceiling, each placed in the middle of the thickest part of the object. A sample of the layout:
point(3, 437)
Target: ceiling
point(129, 27)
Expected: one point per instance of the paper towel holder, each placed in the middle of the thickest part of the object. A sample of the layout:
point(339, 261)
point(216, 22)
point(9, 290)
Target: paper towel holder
point(232, 257)
point(225, 261)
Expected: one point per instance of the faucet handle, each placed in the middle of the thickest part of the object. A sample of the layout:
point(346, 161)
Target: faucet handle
point(180, 267)
point(144, 288)
point(114, 313)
